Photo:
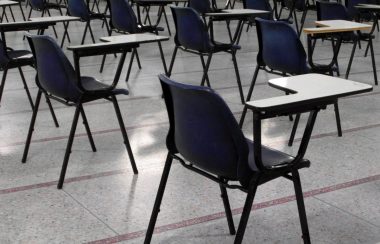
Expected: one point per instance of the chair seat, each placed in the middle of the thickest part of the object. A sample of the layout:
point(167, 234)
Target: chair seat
point(20, 58)
point(273, 158)
point(95, 15)
point(50, 5)
point(149, 28)
point(96, 89)
point(223, 47)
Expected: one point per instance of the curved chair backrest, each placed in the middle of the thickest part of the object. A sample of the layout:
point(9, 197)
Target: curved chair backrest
point(191, 32)
point(122, 16)
point(55, 73)
point(201, 6)
point(203, 130)
point(354, 12)
point(280, 48)
point(37, 4)
point(259, 5)
point(3, 54)
point(331, 11)
point(78, 8)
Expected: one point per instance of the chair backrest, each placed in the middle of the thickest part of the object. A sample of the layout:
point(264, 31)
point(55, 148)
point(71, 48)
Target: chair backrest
point(191, 31)
point(203, 130)
point(353, 12)
point(259, 5)
point(331, 11)
point(55, 74)
point(201, 6)
point(78, 8)
point(122, 16)
point(3, 54)
point(280, 48)
point(37, 4)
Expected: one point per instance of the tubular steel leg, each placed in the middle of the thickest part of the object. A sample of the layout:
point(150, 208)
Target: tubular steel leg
point(157, 202)
point(246, 211)
point(250, 91)
point(227, 209)
point(130, 65)
point(124, 133)
point(373, 60)
point(3, 82)
point(52, 111)
point(26, 87)
point(337, 117)
point(92, 34)
point(137, 58)
point(88, 131)
point(68, 147)
point(238, 77)
point(31, 126)
point(204, 66)
point(84, 33)
point(294, 130)
point(172, 61)
point(301, 207)
point(351, 58)
point(205, 70)
point(103, 61)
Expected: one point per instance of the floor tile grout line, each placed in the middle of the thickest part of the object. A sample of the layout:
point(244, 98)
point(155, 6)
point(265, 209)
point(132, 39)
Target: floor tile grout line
point(219, 215)
point(345, 211)
point(89, 211)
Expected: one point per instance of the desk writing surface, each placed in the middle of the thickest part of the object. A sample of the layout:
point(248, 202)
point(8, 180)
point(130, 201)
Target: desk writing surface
point(135, 38)
point(333, 26)
point(309, 87)
point(7, 3)
point(55, 18)
point(24, 25)
point(236, 12)
point(368, 6)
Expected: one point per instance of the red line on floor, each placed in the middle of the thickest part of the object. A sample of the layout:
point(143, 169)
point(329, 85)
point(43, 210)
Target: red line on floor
point(215, 216)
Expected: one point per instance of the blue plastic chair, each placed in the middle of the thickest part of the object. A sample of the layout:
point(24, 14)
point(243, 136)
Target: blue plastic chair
point(57, 79)
point(282, 53)
point(123, 20)
point(192, 36)
point(205, 138)
point(79, 8)
point(336, 11)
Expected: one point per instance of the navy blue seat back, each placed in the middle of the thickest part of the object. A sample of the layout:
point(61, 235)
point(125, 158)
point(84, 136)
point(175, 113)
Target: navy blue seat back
point(204, 131)
point(191, 32)
point(354, 12)
point(122, 16)
point(331, 11)
point(201, 6)
point(78, 8)
point(259, 5)
point(37, 4)
point(55, 73)
point(279, 47)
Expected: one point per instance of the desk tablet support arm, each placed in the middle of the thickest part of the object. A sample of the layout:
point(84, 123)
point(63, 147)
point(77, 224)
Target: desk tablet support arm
point(258, 116)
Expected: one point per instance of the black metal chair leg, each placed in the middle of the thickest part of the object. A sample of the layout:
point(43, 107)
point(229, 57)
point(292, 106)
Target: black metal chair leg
point(130, 65)
point(68, 147)
point(52, 111)
point(166, 20)
point(88, 131)
point(26, 87)
point(13, 17)
point(31, 126)
point(301, 207)
point(373, 61)
point(124, 133)
point(55, 31)
point(249, 95)
point(204, 66)
point(205, 70)
point(246, 211)
point(137, 58)
point(366, 50)
point(238, 77)
point(84, 33)
point(102, 65)
point(5, 72)
point(351, 58)
point(303, 18)
point(172, 61)
point(91, 34)
point(227, 209)
point(157, 202)
point(294, 130)
point(337, 117)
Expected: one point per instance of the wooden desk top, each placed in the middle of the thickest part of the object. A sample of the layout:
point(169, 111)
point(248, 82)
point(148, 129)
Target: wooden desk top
point(135, 38)
point(236, 13)
point(4, 3)
point(368, 6)
point(333, 26)
point(56, 18)
point(306, 89)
